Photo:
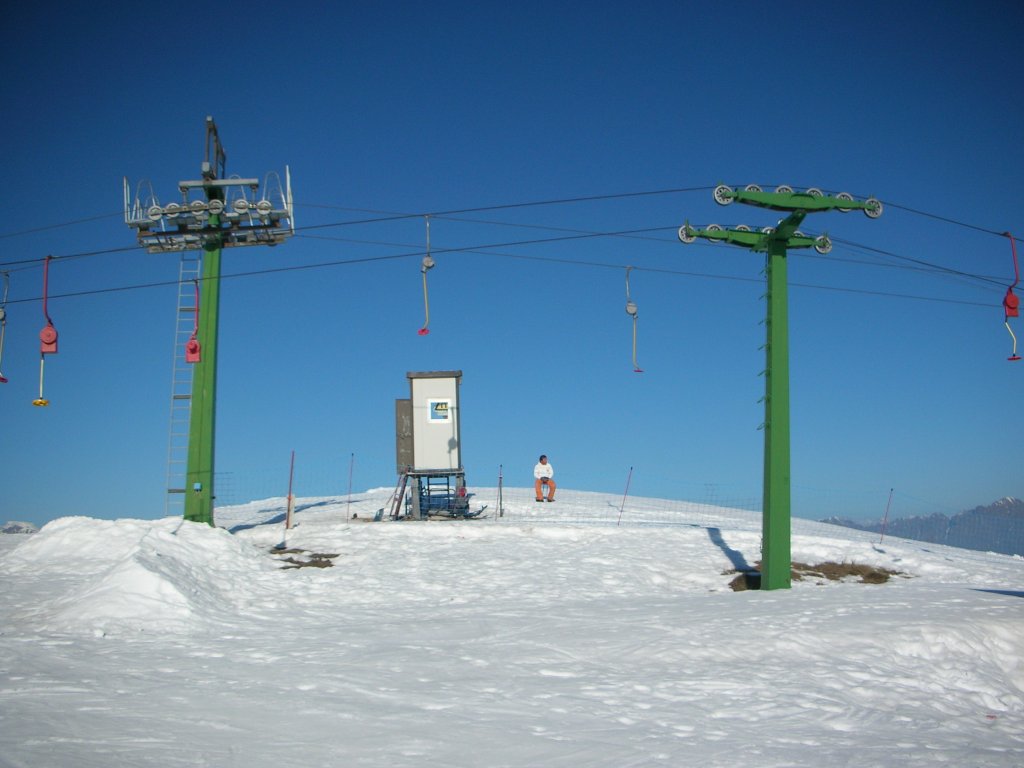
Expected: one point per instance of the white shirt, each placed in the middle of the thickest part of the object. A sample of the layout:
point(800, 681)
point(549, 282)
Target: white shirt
point(543, 470)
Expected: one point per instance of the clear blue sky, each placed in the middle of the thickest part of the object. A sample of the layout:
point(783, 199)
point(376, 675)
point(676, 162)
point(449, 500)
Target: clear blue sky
point(899, 371)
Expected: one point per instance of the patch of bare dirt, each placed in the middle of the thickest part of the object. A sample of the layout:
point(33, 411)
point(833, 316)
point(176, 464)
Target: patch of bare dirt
point(301, 558)
point(862, 574)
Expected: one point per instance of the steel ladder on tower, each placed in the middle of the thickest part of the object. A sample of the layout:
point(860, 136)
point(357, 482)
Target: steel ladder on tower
point(181, 385)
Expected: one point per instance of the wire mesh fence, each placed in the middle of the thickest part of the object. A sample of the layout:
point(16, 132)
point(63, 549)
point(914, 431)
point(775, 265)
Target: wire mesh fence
point(877, 511)
point(518, 505)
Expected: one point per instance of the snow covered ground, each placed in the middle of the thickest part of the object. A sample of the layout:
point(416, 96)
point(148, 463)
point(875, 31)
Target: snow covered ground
point(517, 641)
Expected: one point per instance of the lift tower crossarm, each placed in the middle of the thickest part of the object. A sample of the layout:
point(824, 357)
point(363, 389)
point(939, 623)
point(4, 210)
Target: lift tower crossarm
point(784, 233)
point(784, 199)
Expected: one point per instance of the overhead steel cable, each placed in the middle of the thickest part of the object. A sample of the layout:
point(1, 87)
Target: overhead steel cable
point(48, 227)
point(398, 216)
point(31, 263)
point(918, 265)
point(943, 218)
point(921, 262)
point(572, 234)
point(394, 216)
point(486, 250)
point(387, 217)
point(319, 265)
point(165, 283)
point(509, 206)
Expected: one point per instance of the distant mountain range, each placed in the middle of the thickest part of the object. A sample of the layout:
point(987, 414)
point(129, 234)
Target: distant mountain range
point(999, 527)
point(14, 526)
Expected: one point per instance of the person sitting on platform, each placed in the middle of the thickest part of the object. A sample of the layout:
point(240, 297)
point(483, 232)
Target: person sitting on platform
point(544, 475)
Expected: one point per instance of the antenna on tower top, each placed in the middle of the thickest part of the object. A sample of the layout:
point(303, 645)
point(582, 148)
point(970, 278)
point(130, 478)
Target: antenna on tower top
point(213, 169)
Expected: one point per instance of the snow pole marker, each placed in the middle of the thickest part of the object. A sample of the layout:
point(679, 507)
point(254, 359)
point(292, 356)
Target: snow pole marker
point(501, 510)
point(291, 497)
point(351, 464)
point(624, 495)
point(885, 520)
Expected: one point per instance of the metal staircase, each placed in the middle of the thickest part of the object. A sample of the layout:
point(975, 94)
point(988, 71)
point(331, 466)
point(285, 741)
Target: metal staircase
point(181, 385)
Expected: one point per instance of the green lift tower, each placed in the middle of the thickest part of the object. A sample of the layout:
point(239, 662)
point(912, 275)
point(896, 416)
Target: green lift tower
point(213, 213)
point(775, 242)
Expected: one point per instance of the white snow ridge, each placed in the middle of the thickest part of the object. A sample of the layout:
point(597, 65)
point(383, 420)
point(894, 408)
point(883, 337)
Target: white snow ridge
point(613, 640)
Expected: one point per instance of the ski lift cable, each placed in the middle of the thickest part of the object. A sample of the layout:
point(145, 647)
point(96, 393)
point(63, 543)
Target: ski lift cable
point(31, 263)
point(505, 206)
point(478, 250)
point(60, 225)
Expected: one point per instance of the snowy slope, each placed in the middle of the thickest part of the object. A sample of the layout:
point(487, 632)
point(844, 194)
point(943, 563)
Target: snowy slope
point(518, 641)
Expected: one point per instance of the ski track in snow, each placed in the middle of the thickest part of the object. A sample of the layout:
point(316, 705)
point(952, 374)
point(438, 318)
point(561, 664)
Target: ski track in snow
point(513, 642)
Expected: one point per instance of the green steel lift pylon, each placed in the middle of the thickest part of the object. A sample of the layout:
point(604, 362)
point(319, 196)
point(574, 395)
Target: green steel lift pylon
point(227, 215)
point(199, 487)
point(775, 242)
point(202, 419)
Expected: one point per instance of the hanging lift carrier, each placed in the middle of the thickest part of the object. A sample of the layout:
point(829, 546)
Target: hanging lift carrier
point(1011, 302)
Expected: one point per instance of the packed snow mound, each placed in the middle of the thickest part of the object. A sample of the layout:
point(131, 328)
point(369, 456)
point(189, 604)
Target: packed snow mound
point(173, 576)
point(549, 635)
point(135, 575)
